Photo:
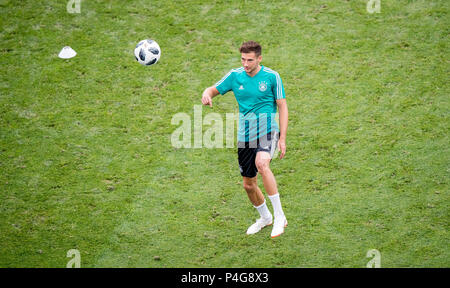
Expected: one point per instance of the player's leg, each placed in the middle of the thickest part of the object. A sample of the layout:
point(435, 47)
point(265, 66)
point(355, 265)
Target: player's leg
point(262, 162)
point(246, 157)
point(253, 192)
point(257, 198)
point(270, 184)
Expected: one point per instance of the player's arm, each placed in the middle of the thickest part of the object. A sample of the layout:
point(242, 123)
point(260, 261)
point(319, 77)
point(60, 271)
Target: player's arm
point(208, 94)
point(221, 87)
point(283, 112)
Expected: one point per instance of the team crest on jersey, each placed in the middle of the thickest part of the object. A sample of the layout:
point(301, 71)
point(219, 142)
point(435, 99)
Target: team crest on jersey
point(262, 86)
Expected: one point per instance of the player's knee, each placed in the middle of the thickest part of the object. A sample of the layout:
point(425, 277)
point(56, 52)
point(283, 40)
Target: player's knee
point(249, 187)
point(262, 166)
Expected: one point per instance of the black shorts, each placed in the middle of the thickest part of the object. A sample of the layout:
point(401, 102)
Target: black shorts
point(247, 152)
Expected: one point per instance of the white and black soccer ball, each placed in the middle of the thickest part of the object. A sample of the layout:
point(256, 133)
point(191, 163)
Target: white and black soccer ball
point(147, 52)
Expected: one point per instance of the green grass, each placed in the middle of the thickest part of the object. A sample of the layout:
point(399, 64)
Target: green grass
point(86, 160)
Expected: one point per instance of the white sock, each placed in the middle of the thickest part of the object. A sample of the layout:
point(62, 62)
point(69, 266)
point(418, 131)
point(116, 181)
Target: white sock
point(276, 203)
point(264, 211)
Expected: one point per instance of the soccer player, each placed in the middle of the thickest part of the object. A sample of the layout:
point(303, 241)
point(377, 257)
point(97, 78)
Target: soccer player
point(259, 92)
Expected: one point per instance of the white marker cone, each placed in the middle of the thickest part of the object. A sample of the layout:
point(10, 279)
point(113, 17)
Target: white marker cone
point(67, 53)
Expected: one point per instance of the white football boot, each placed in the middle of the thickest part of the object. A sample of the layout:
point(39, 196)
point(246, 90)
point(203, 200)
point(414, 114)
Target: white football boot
point(258, 225)
point(278, 226)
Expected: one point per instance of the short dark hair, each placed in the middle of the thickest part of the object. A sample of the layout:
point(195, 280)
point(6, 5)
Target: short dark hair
point(251, 46)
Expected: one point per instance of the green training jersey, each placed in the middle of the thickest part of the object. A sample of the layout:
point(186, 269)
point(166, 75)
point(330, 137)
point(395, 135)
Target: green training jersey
point(256, 97)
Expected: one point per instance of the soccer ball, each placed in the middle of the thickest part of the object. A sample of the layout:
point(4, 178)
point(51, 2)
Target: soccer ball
point(147, 52)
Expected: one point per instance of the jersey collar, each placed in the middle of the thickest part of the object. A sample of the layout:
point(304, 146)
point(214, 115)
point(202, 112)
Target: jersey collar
point(256, 73)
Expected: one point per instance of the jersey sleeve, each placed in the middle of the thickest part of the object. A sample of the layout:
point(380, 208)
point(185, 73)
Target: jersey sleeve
point(225, 84)
point(277, 87)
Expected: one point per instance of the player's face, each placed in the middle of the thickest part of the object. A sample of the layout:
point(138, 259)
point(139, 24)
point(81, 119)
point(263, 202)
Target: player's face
point(250, 62)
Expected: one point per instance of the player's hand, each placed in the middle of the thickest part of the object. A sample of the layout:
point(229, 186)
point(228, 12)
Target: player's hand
point(282, 147)
point(206, 99)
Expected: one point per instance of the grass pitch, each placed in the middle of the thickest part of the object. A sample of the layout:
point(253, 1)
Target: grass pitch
point(86, 160)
